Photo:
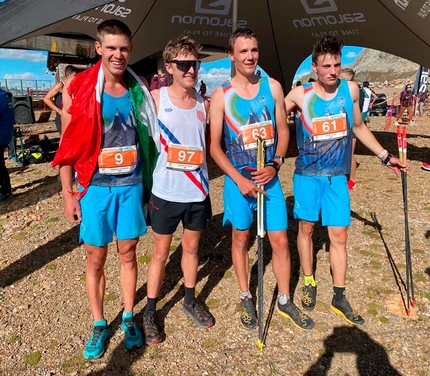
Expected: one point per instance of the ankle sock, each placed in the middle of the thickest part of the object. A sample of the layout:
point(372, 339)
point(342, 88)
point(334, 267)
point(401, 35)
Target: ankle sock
point(127, 315)
point(309, 280)
point(245, 294)
point(190, 295)
point(283, 298)
point(150, 304)
point(101, 322)
point(339, 293)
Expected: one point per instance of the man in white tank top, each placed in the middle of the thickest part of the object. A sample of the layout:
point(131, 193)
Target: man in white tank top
point(181, 185)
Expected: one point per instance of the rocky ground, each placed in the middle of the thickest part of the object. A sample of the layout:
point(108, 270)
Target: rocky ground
point(45, 317)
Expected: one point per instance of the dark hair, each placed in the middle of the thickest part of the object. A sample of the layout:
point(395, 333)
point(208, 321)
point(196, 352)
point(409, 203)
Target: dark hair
point(326, 45)
point(70, 69)
point(298, 83)
point(366, 83)
point(112, 27)
point(245, 33)
point(311, 80)
point(181, 45)
point(410, 86)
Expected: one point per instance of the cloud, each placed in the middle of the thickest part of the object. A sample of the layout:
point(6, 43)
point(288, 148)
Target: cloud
point(213, 78)
point(21, 76)
point(29, 56)
point(351, 55)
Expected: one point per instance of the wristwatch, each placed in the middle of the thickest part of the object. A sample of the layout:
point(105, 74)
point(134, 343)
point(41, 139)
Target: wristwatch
point(280, 157)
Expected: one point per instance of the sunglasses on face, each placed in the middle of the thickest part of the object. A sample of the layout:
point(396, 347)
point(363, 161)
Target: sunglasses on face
point(408, 87)
point(185, 65)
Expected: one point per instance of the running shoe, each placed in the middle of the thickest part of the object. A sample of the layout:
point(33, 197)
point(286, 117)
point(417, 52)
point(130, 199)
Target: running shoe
point(299, 319)
point(396, 123)
point(426, 166)
point(5, 196)
point(309, 297)
point(344, 309)
point(199, 313)
point(152, 335)
point(351, 184)
point(248, 318)
point(133, 335)
point(95, 348)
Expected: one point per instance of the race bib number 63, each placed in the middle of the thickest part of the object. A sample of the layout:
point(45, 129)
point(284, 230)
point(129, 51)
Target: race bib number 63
point(262, 130)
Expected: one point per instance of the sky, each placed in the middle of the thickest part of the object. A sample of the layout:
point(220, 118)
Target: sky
point(31, 65)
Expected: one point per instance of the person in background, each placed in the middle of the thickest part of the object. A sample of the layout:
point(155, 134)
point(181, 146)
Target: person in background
point(421, 98)
point(180, 192)
point(7, 120)
point(406, 99)
point(163, 80)
point(111, 150)
point(54, 97)
point(202, 90)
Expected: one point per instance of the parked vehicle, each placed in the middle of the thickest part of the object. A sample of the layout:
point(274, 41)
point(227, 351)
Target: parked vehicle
point(380, 106)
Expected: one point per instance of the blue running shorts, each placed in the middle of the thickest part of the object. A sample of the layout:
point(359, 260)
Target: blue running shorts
point(239, 209)
point(325, 195)
point(109, 210)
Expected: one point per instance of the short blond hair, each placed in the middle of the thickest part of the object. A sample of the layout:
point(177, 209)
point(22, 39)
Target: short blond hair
point(183, 45)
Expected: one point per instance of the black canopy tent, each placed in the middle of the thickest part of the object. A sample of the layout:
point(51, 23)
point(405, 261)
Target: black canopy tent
point(286, 29)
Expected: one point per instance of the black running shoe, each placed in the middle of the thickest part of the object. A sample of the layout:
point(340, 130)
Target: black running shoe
point(151, 333)
point(199, 313)
point(309, 297)
point(344, 309)
point(299, 319)
point(248, 318)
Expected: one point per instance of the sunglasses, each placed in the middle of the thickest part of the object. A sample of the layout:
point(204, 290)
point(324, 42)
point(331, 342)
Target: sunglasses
point(408, 87)
point(185, 65)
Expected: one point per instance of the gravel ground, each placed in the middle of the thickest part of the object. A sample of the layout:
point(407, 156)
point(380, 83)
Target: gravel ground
point(45, 317)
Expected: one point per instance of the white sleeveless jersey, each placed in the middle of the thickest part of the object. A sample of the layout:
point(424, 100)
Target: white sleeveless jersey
point(182, 130)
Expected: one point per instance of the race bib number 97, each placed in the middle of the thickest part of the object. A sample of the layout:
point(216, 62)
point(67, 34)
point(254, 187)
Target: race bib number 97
point(252, 132)
point(329, 127)
point(184, 158)
point(117, 161)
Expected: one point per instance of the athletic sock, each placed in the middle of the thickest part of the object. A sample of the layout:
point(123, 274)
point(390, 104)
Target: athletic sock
point(189, 295)
point(283, 298)
point(339, 293)
point(150, 304)
point(101, 322)
point(245, 294)
point(127, 315)
point(309, 280)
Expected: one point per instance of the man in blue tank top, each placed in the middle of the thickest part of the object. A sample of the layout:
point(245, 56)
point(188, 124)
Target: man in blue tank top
point(329, 114)
point(243, 109)
point(102, 99)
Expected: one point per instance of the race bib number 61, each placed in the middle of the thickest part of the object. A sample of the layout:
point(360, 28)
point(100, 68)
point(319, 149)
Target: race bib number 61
point(329, 127)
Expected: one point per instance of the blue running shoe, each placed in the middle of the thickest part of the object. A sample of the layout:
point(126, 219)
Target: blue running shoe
point(95, 348)
point(133, 335)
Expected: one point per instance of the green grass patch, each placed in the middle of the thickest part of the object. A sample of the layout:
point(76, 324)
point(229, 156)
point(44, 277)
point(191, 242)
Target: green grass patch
point(371, 233)
point(228, 274)
point(369, 254)
point(51, 267)
point(251, 261)
point(75, 364)
point(110, 297)
point(325, 353)
point(34, 283)
point(375, 265)
point(144, 259)
point(54, 344)
point(212, 303)
point(421, 277)
point(33, 358)
point(173, 248)
point(52, 220)
point(20, 236)
point(13, 339)
point(418, 251)
point(372, 309)
point(425, 294)
point(384, 320)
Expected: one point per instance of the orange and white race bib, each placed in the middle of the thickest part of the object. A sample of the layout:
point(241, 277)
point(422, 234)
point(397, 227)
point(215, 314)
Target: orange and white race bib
point(184, 158)
point(117, 161)
point(252, 132)
point(329, 127)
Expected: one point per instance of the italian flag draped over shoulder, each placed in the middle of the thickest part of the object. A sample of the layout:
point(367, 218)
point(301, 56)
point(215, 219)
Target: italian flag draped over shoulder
point(80, 143)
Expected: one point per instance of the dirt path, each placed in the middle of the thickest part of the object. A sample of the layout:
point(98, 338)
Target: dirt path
point(45, 317)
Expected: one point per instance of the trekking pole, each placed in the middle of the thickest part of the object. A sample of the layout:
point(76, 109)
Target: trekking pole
point(260, 237)
point(402, 144)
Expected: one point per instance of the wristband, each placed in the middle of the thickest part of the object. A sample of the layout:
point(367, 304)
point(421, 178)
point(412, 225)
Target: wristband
point(380, 156)
point(273, 164)
point(280, 157)
point(386, 161)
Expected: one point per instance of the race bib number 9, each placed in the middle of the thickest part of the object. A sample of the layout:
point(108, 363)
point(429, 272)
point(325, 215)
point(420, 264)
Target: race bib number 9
point(329, 127)
point(184, 158)
point(117, 161)
point(252, 132)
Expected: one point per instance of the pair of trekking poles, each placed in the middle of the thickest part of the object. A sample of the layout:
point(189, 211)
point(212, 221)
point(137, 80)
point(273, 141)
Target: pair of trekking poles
point(403, 146)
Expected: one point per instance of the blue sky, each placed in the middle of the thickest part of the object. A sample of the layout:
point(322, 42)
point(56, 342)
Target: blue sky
point(31, 65)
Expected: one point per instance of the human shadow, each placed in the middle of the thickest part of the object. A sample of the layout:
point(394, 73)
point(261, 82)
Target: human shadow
point(372, 359)
point(41, 256)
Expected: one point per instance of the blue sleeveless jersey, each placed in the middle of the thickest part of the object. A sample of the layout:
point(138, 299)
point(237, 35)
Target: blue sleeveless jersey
point(319, 156)
point(240, 112)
